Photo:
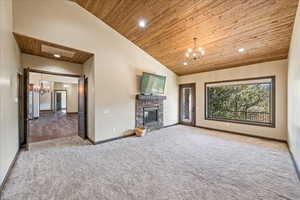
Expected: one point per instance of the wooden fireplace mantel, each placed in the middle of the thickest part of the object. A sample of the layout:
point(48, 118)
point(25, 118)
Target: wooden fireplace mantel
point(150, 97)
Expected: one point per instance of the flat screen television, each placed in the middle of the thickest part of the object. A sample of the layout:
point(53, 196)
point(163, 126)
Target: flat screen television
point(152, 84)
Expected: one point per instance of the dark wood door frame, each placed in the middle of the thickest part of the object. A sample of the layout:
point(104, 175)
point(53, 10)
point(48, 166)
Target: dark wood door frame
point(193, 86)
point(25, 103)
point(52, 73)
point(54, 106)
point(26, 100)
point(21, 118)
point(86, 105)
point(82, 108)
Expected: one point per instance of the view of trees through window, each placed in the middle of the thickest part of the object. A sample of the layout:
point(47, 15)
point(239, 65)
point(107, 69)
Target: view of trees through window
point(248, 101)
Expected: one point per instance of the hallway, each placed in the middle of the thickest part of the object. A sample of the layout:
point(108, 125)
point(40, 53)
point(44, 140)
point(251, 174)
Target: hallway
point(52, 125)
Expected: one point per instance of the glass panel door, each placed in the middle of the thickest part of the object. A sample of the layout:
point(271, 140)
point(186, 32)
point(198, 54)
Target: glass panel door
point(187, 104)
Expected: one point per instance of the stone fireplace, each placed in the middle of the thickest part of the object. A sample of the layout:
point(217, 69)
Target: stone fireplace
point(149, 111)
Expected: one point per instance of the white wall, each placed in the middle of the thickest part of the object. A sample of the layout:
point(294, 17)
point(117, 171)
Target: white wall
point(118, 62)
point(72, 95)
point(294, 91)
point(46, 99)
point(276, 68)
point(56, 83)
point(50, 65)
point(9, 67)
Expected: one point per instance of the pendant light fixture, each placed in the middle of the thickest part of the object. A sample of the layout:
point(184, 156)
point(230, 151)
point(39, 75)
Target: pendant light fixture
point(193, 54)
point(41, 88)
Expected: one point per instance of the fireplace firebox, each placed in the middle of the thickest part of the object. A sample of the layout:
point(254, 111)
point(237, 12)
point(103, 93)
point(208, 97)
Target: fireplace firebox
point(150, 115)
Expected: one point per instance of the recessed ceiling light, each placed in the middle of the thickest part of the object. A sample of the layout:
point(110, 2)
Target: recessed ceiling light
point(241, 50)
point(57, 55)
point(185, 63)
point(142, 23)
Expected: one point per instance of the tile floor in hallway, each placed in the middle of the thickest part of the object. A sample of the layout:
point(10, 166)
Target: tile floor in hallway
point(51, 125)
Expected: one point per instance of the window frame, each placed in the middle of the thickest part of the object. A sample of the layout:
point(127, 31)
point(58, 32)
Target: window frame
point(272, 107)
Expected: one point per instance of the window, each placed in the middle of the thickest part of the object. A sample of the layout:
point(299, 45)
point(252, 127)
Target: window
point(249, 101)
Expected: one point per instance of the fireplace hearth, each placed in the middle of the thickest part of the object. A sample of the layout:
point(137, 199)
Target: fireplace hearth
point(149, 111)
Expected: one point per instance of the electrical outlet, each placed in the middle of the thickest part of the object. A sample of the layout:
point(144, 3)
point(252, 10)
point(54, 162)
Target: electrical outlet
point(114, 130)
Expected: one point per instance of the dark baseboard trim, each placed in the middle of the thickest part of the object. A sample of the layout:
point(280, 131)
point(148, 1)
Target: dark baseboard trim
point(90, 140)
point(72, 112)
point(12, 164)
point(295, 164)
point(121, 137)
point(113, 139)
point(171, 125)
point(243, 134)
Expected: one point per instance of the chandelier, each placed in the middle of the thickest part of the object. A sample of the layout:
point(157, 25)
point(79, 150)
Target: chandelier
point(41, 88)
point(44, 89)
point(193, 54)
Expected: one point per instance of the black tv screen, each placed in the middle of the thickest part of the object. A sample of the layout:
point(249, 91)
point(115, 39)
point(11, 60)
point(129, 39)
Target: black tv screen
point(152, 84)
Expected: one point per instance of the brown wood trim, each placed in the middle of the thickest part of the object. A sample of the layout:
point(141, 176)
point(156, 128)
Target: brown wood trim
point(243, 134)
point(121, 137)
point(26, 120)
point(90, 140)
point(193, 85)
point(273, 125)
point(242, 79)
point(11, 166)
point(171, 125)
point(115, 138)
point(46, 110)
point(53, 73)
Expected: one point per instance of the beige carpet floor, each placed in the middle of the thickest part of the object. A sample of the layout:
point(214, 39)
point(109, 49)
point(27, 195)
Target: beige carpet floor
point(176, 163)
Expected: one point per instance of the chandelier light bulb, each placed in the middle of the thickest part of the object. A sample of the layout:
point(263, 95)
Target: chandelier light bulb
point(185, 63)
point(187, 54)
point(190, 50)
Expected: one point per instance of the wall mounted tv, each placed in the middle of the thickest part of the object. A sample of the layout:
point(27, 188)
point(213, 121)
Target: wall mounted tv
point(152, 84)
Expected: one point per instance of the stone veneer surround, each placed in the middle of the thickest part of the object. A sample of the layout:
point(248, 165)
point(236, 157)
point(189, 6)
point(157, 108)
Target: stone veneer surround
point(147, 101)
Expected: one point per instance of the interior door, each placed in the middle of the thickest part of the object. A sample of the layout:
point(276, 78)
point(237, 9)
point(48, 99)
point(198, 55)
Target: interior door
point(187, 102)
point(58, 101)
point(26, 108)
point(21, 108)
point(81, 109)
point(86, 105)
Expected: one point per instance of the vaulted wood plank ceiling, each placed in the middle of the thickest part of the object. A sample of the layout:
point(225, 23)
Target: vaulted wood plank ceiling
point(262, 27)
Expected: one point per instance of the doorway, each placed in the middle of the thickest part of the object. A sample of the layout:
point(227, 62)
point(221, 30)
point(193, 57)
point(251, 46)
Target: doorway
point(55, 109)
point(187, 104)
point(60, 99)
